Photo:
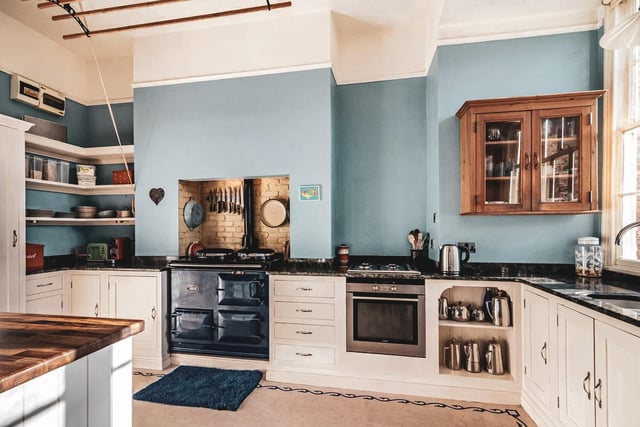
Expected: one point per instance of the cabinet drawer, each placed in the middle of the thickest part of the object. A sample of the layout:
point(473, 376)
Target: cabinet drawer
point(316, 289)
point(304, 310)
point(304, 354)
point(294, 331)
point(39, 285)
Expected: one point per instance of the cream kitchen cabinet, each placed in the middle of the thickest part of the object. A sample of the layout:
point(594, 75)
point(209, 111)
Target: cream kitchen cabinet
point(539, 350)
point(304, 330)
point(12, 200)
point(599, 377)
point(45, 293)
point(127, 295)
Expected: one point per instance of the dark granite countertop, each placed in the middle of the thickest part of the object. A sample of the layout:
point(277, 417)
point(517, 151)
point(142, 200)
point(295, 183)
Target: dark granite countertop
point(68, 262)
point(557, 279)
point(32, 345)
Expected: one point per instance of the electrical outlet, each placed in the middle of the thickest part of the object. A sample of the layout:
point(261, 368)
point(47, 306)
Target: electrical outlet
point(471, 246)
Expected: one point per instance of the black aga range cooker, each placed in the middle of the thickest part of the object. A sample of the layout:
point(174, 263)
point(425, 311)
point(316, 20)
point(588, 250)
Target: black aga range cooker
point(220, 302)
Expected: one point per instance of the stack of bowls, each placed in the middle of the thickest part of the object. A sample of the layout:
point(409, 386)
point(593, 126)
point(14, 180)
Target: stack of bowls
point(86, 211)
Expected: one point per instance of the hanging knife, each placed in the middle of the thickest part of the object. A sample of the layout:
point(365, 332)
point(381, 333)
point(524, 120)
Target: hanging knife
point(236, 201)
point(225, 205)
point(211, 199)
point(218, 201)
point(242, 201)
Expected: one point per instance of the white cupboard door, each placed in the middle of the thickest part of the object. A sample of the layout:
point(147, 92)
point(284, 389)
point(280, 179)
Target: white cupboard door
point(51, 304)
point(576, 368)
point(538, 351)
point(135, 298)
point(85, 295)
point(617, 381)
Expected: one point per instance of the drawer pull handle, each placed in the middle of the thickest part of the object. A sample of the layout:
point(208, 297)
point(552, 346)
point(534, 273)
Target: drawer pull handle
point(193, 288)
point(15, 238)
point(153, 313)
point(44, 285)
point(304, 289)
point(96, 310)
point(304, 354)
point(304, 332)
point(304, 310)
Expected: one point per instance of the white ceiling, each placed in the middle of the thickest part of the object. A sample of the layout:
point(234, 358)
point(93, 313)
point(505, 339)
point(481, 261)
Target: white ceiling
point(459, 20)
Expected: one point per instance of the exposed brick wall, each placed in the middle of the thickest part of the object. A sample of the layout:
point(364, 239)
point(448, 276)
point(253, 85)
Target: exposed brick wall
point(265, 189)
point(226, 229)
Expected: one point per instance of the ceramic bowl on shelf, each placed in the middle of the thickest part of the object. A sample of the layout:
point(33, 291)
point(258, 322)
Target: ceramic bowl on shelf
point(86, 211)
point(41, 213)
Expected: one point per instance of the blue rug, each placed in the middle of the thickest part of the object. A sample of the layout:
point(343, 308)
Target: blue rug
point(202, 387)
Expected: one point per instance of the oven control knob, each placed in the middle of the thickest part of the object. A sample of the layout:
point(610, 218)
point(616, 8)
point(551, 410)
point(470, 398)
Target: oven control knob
point(374, 287)
point(394, 288)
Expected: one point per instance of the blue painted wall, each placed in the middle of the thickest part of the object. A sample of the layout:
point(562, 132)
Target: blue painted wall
point(538, 65)
point(247, 127)
point(381, 160)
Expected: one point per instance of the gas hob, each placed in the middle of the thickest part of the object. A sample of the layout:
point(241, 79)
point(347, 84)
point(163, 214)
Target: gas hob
point(387, 269)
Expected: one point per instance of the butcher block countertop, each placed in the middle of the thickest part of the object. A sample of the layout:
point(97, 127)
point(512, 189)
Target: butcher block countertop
point(32, 345)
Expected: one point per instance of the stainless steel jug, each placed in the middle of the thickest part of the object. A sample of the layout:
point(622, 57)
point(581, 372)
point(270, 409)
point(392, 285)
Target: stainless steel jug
point(499, 309)
point(451, 257)
point(453, 355)
point(494, 358)
point(443, 308)
point(472, 354)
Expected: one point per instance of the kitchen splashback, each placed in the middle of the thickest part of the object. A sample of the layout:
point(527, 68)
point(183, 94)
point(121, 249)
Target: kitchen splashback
point(225, 230)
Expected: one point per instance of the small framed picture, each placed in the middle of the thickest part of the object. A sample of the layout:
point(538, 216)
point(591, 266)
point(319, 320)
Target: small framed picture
point(310, 192)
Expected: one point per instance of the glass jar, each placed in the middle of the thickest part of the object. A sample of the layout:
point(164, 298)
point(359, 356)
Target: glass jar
point(588, 257)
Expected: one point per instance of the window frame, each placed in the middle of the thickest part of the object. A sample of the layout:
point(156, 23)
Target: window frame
point(616, 121)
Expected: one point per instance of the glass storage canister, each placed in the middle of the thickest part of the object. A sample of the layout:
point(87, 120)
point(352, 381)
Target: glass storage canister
point(588, 257)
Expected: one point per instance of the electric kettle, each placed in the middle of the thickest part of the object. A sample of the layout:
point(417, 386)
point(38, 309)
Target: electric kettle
point(451, 257)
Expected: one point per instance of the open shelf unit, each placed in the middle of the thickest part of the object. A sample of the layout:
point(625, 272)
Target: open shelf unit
point(43, 146)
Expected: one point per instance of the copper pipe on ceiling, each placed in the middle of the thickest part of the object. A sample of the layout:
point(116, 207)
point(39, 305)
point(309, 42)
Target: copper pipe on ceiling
point(181, 20)
point(115, 9)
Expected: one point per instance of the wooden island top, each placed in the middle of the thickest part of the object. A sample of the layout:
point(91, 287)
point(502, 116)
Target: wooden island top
point(32, 345)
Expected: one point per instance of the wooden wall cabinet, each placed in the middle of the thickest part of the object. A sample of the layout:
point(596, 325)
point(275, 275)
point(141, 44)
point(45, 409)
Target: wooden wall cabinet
point(529, 155)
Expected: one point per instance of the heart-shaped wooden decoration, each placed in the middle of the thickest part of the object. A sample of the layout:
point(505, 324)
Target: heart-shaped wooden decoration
point(156, 194)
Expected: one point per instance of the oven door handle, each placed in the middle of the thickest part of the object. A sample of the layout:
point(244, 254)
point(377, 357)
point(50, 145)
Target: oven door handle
point(385, 298)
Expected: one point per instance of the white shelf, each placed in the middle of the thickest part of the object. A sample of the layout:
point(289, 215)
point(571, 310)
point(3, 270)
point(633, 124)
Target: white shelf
point(470, 324)
point(92, 155)
point(97, 190)
point(463, 373)
point(79, 221)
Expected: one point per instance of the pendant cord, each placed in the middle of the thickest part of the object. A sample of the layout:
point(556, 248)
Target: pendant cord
point(87, 32)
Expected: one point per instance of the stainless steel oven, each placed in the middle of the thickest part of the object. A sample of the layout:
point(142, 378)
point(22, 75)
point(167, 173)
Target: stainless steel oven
point(386, 316)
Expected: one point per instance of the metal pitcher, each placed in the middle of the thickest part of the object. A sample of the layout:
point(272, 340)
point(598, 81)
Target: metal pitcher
point(472, 353)
point(494, 358)
point(453, 355)
point(499, 310)
point(443, 308)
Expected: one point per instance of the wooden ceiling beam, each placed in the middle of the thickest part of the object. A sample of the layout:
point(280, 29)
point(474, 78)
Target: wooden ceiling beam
point(180, 20)
point(115, 9)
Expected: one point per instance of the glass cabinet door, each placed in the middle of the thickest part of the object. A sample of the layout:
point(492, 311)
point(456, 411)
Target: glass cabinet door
point(559, 159)
point(562, 160)
point(504, 142)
